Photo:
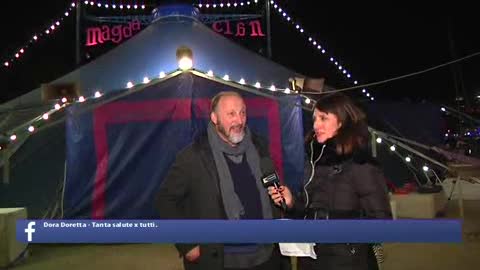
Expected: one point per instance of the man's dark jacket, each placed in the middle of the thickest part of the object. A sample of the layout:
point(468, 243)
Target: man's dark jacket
point(191, 190)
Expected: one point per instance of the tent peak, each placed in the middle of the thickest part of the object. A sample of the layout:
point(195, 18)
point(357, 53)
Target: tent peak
point(175, 10)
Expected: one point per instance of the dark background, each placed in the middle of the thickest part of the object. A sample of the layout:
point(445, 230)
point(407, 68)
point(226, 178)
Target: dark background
point(374, 42)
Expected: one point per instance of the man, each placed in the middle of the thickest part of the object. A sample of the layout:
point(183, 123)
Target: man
point(218, 177)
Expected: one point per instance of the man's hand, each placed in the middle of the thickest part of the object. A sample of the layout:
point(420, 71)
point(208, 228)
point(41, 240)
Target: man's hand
point(193, 254)
point(281, 193)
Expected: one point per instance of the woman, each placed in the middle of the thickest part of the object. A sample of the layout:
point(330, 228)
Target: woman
point(340, 182)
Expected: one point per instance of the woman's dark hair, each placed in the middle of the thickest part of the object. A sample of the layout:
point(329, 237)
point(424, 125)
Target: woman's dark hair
point(353, 133)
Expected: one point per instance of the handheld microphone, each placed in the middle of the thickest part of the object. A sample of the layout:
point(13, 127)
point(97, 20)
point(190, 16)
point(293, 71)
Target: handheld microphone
point(270, 177)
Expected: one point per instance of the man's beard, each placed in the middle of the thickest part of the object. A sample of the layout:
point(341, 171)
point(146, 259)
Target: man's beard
point(232, 137)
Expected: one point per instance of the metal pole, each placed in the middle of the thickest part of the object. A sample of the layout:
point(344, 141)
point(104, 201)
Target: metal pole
point(269, 35)
point(77, 34)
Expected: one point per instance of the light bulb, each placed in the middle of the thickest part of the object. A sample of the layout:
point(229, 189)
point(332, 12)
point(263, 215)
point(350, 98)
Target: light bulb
point(392, 148)
point(129, 84)
point(379, 140)
point(146, 80)
point(31, 129)
point(408, 159)
point(210, 73)
point(98, 94)
point(162, 74)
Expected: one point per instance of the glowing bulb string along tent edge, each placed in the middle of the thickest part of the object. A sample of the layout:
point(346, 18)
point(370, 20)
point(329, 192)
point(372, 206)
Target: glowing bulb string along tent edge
point(116, 5)
point(232, 4)
point(402, 144)
point(47, 31)
point(316, 44)
point(130, 86)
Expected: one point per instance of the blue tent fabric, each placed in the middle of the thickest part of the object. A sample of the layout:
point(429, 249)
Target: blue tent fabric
point(118, 153)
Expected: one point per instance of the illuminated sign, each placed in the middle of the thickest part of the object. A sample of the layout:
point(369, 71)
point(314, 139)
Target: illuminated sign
point(239, 29)
point(115, 34)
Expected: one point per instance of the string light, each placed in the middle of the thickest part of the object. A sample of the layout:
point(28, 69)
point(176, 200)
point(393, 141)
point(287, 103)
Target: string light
point(284, 14)
point(16, 56)
point(162, 75)
point(228, 5)
point(45, 116)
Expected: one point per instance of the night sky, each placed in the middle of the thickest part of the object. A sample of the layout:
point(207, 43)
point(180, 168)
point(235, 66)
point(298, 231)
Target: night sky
point(373, 42)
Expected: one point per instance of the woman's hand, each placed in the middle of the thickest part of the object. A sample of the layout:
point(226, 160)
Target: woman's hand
point(281, 193)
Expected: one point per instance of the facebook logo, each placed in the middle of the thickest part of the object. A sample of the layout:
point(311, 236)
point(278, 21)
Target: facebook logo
point(30, 230)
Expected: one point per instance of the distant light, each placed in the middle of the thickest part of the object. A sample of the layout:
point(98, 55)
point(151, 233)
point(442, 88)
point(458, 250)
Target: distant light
point(57, 106)
point(114, 6)
point(307, 101)
point(81, 99)
point(372, 98)
point(64, 99)
point(35, 37)
point(443, 109)
point(379, 140)
point(392, 148)
point(86, 2)
point(355, 82)
point(226, 77)
point(73, 4)
point(31, 129)
point(367, 94)
point(143, 6)
point(364, 90)
point(13, 137)
point(258, 85)
point(45, 116)
point(273, 88)
point(344, 71)
point(98, 94)
point(210, 73)
point(129, 84)
point(323, 51)
point(408, 159)
point(99, 5)
point(128, 6)
point(425, 168)
point(47, 31)
point(17, 55)
point(297, 26)
point(348, 75)
point(121, 6)
point(146, 80)
point(287, 90)
point(331, 59)
point(336, 63)
point(162, 74)
point(21, 50)
point(288, 19)
point(340, 67)
point(66, 14)
point(135, 6)
point(57, 23)
point(284, 14)
point(242, 81)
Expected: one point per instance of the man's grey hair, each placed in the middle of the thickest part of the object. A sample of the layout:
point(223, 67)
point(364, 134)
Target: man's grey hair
point(217, 97)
